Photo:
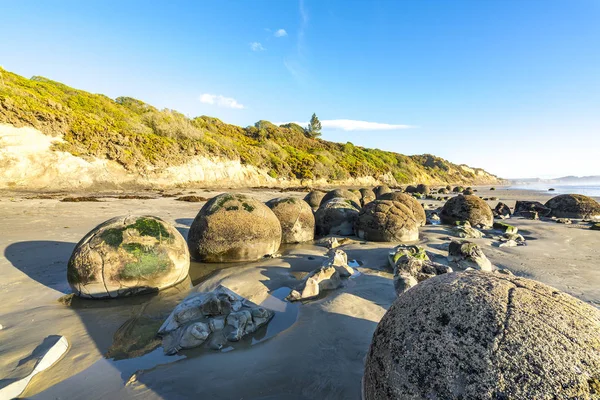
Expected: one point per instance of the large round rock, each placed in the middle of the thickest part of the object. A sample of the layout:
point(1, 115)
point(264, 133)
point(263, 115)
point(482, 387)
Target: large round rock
point(336, 217)
point(296, 218)
point(341, 193)
point(314, 198)
point(381, 189)
point(386, 221)
point(410, 202)
point(366, 196)
point(467, 208)
point(574, 206)
point(128, 255)
point(480, 335)
point(234, 228)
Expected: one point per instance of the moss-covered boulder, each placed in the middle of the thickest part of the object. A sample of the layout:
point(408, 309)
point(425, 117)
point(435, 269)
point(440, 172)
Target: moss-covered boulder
point(387, 221)
point(128, 255)
point(343, 194)
point(478, 335)
point(381, 189)
point(458, 189)
point(467, 208)
point(336, 217)
point(410, 202)
point(314, 198)
point(574, 206)
point(233, 228)
point(296, 218)
point(366, 196)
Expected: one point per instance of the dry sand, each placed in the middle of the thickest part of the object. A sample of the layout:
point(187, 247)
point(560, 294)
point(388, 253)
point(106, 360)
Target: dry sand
point(311, 350)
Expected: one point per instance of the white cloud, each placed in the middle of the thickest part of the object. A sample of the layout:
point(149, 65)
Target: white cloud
point(220, 101)
point(354, 125)
point(256, 46)
point(280, 33)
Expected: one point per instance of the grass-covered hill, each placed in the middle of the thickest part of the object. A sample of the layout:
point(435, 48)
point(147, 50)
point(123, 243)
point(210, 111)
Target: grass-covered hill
point(138, 136)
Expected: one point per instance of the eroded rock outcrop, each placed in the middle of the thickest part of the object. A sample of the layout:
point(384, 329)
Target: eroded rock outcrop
point(411, 265)
point(464, 254)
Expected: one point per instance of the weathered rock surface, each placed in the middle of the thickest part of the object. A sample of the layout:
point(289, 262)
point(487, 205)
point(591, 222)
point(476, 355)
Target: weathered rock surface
point(422, 188)
point(477, 335)
point(336, 217)
point(506, 228)
point(296, 218)
point(343, 194)
point(432, 218)
point(314, 198)
point(410, 202)
point(367, 196)
point(222, 314)
point(524, 208)
point(234, 228)
point(128, 255)
point(502, 211)
point(466, 231)
point(574, 206)
point(464, 254)
point(386, 221)
point(411, 265)
point(467, 208)
point(381, 189)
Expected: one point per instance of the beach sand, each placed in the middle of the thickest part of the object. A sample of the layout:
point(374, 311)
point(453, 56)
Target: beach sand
point(310, 350)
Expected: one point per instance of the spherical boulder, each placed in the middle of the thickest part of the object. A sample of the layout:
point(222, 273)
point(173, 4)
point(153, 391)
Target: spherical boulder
point(296, 218)
point(336, 217)
point(314, 198)
point(128, 255)
point(341, 193)
point(482, 335)
point(422, 188)
point(234, 228)
point(410, 202)
point(574, 206)
point(467, 208)
point(386, 221)
point(367, 196)
point(381, 189)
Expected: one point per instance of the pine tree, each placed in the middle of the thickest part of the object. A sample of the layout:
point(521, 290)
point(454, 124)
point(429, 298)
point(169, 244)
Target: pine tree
point(313, 129)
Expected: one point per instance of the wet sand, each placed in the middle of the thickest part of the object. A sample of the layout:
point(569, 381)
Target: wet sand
point(309, 350)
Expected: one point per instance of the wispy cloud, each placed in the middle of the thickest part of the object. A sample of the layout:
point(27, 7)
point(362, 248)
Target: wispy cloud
point(354, 125)
point(220, 101)
point(280, 33)
point(295, 63)
point(256, 46)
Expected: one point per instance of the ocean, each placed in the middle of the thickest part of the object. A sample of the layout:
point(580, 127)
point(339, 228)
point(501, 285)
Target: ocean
point(588, 190)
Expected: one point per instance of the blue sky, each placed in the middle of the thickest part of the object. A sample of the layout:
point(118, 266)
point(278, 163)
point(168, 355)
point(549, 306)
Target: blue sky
point(510, 86)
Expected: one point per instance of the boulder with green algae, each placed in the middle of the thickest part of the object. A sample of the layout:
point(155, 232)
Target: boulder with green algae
point(341, 193)
point(574, 206)
point(478, 335)
point(410, 202)
point(314, 198)
point(336, 217)
point(467, 208)
point(411, 265)
point(504, 227)
point(296, 218)
point(464, 230)
point(464, 254)
point(595, 227)
point(386, 221)
point(234, 228)
point(128, 255)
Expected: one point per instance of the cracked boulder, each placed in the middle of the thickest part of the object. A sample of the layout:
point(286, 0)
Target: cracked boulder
point(464, 254)
point(343, 194)
point(477, 335)
point(296, 218)
point(411, 266)
point(128, 255)
point(380, 190)
point(410, 202)
point(214, 317)
point(336, 217)
point(387, 221)
point(467, 208)
point(502, 211)
point(574, 206)
point(232, 228)
point(528, 209)
point(319, 280)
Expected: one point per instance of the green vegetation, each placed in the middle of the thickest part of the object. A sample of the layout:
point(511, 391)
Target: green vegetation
point(139, 137)
point(147, 263)
point(314, 127)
